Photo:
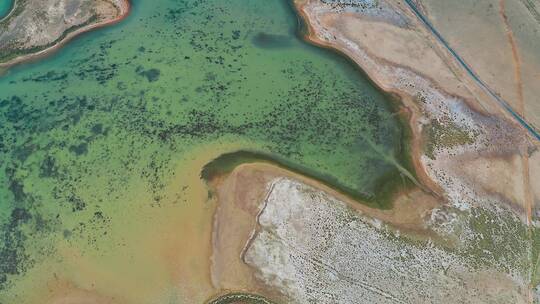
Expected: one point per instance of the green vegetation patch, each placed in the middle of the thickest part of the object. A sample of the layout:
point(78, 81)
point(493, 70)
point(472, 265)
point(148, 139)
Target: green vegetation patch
point(241, 298)
point(535, 256)
point(446, 134)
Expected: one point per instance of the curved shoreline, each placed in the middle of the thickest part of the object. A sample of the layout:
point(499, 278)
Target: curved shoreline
point(240, 196)
point(8, 12)
point(428, 95)
point(382, 199)
point(124, 7)
point(415, 140)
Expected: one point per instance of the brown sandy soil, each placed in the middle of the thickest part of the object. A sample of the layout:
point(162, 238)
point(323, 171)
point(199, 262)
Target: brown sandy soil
point(107, 12)
point(520, 106)
point(404, 59)
point(240, 196)
point(481, 170)
point(534, 177)
point(496, 37)
point(384, 44)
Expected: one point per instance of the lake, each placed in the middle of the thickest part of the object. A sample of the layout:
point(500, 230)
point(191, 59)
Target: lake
point(102, 143)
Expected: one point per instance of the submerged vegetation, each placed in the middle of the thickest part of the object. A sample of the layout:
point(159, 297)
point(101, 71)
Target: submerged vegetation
point(112, 115)
point(95, 136)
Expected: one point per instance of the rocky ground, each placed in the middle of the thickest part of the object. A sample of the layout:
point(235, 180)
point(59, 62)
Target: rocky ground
point(34, 28)
point(315, 248)
point(293, 240)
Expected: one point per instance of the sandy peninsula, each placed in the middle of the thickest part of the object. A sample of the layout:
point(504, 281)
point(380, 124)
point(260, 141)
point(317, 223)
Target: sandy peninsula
point(33, 30)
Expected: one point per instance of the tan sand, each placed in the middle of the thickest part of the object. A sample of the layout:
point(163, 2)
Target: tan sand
point(499, 39)
point(240, 195)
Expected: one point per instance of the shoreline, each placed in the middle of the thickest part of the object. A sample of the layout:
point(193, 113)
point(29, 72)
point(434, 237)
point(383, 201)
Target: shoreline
point(414, 143)
point(382, 198)
point(10, 11)
point(124, 8)
point(444, 177)
point(240, 197)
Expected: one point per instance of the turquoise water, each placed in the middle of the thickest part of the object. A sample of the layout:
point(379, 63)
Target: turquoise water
point(117, 110)
point(5, 7)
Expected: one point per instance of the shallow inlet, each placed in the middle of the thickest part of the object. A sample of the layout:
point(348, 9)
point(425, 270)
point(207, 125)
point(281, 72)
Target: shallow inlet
point(102, 143)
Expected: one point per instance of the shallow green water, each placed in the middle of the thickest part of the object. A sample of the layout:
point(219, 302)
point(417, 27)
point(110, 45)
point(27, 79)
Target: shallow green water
point(5, 7)
point(117, 109)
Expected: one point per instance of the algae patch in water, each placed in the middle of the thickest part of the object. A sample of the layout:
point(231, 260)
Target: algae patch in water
point(388, 184)
point(110, 116)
